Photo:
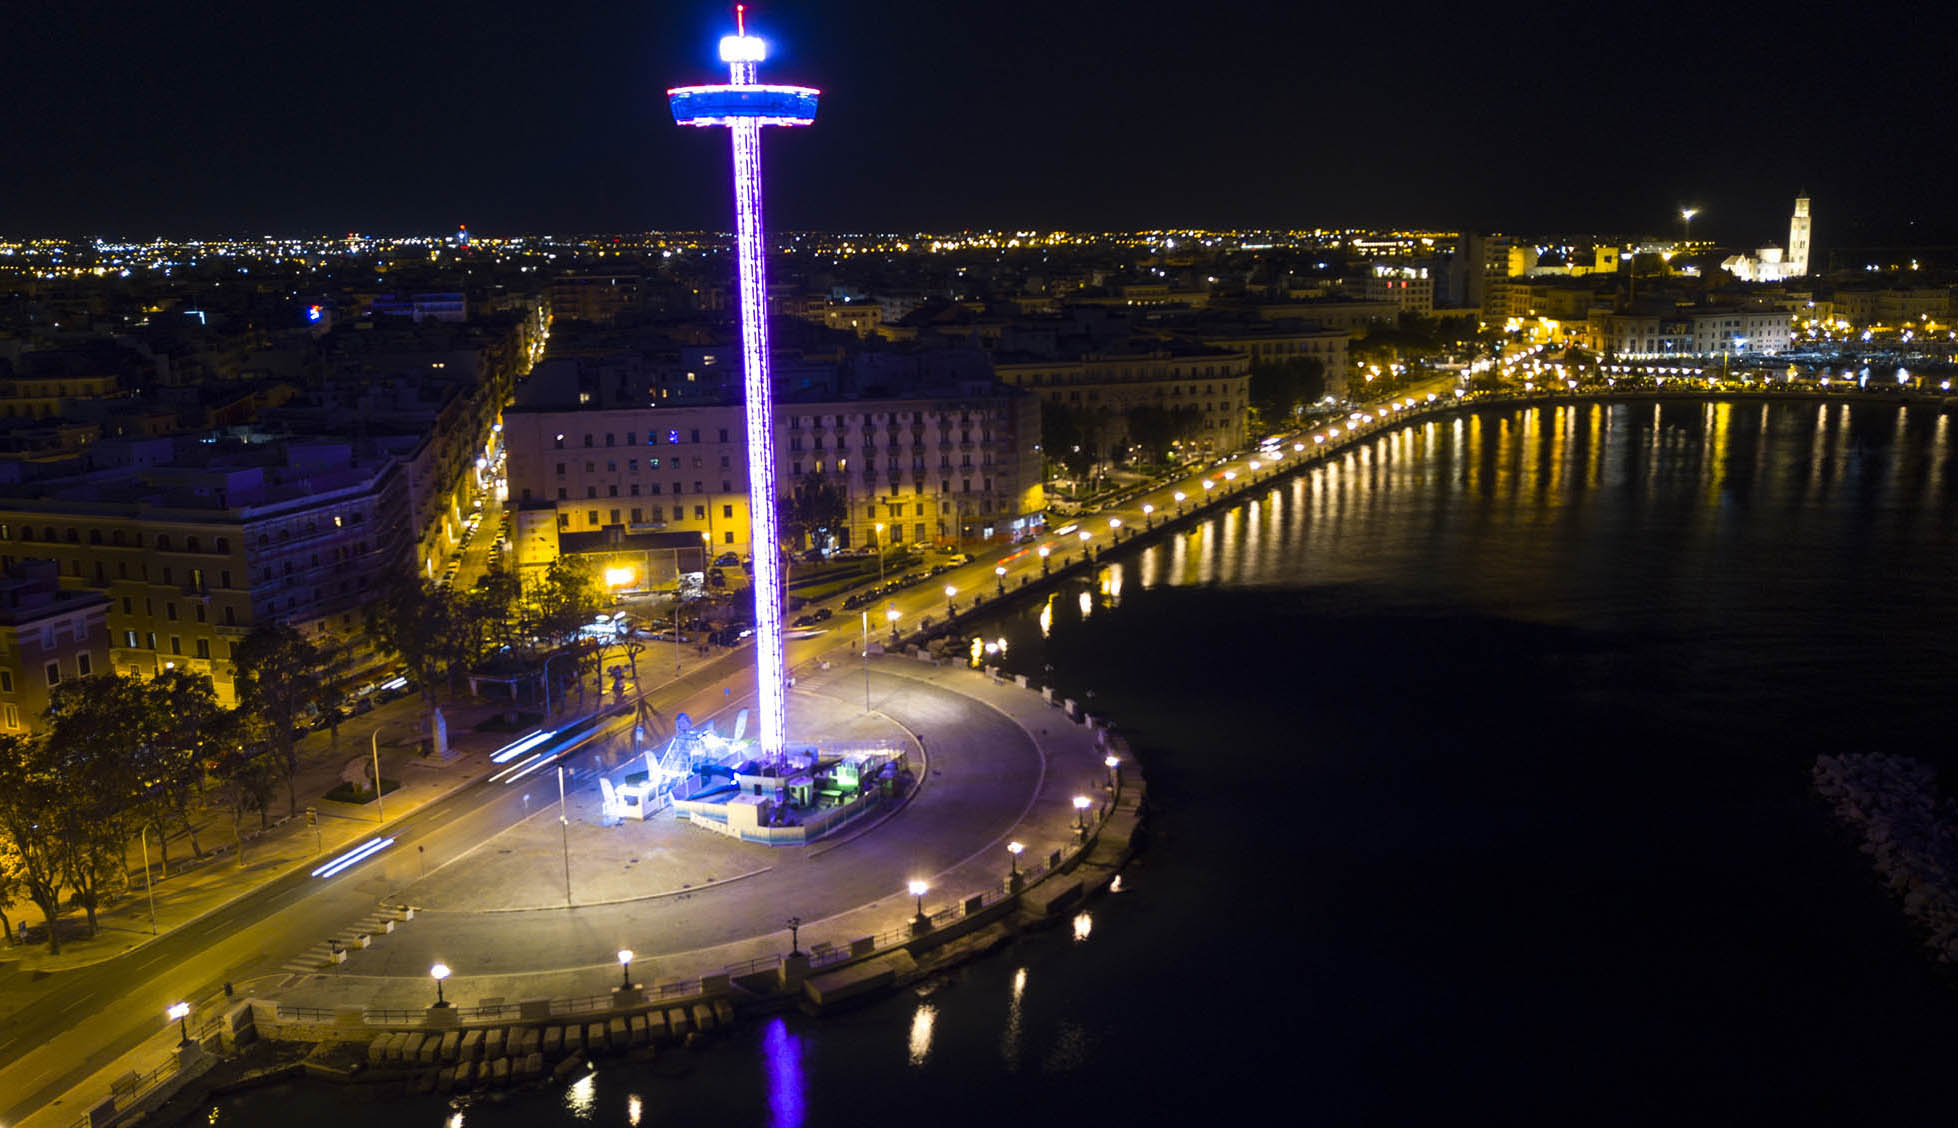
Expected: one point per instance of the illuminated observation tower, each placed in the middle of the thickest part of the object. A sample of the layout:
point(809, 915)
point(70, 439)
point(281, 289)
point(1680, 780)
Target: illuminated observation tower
point(744, 106)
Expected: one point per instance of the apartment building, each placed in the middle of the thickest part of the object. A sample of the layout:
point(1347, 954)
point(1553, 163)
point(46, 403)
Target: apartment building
point(192, 544)
point(48, 635)
point(1213, 383)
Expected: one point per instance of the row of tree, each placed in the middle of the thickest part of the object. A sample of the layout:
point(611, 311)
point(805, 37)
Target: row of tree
point(117, 757)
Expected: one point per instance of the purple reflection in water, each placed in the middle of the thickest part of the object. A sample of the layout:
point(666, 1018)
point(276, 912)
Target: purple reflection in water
point(783, 1053)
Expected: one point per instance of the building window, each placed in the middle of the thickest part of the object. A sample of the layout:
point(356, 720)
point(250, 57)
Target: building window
point(591, 517)
point(6, 681)
point(83, 666)
point(727, 511)
point(700, 513)
point(54, 674)
point(727, 537)
point(177, 642)
point(13, 716)
point(203, 648)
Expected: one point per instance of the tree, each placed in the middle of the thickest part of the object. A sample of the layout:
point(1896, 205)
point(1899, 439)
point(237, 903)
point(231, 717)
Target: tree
point(246, 773)
point(11, 885)
point(815, 505)
point(418, 622)
point(31, 800)
point(279, 672)
point(182, 728)
point(100, 732)
point(488, 615)
point(1156, 429)
point(1279, 390)
point(1067, 438)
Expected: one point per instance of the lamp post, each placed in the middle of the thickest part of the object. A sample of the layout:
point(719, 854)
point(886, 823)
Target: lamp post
point(951, 594)
point(1148, 512)
point(560, 654)
point(918, 890)
point(880, 554)
point(380, 802)
point(795, 930)
point(999, 573)
point(149, 879)
point(1013, 852)
point(1181, 497)
point(1686, 218)
point(440, 971)
point(1114, 528)
point(866, 661)
point(1044, 551)
point(181, 1012)
point(625, 968)
point(1114, 765)
point(1081, 805)
point(892, 614)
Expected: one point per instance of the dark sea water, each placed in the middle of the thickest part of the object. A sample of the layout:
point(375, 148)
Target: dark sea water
point(1479, 761)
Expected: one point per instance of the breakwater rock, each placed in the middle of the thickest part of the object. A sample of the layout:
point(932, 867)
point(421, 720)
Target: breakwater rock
point(1909, 832)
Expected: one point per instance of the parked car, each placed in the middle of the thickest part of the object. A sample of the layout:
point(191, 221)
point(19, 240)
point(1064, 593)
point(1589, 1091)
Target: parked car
point(726, 560)
point(822, 613)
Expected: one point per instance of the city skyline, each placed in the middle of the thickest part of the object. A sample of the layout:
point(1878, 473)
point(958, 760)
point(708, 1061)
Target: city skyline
point(483, 114)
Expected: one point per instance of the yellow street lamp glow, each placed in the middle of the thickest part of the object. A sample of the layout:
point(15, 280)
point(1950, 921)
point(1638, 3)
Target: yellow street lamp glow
point(1114, 522)
point(1044, 550)
point(619, 577)
point(179, 1011)
point(1000, 570)
point(440, 971)
point(1015, 847)
point(1230, 475)
point(1181, 497)
point(893, 614)
point(625, 955)
point(1209, 485)
point(1256, 465)
point(1085, 536)
point(1147, 509)
point(1082, 802)
point(1299, 448)
point(950, 591)
point(1111, 761)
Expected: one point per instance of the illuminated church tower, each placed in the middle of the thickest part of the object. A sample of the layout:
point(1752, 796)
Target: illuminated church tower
point(1797, 259)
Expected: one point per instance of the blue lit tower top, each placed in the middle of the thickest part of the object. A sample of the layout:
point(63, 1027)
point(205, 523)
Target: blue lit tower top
point(744, 106)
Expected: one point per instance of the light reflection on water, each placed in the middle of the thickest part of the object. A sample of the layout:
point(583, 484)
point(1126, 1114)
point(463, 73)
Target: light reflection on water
point(1427, 489)
point(581, 1097)
point(782, 1058)
point(921, 1023)
point(1009, 1038)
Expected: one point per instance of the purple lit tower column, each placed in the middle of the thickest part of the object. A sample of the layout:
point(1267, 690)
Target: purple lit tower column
point(744, 106)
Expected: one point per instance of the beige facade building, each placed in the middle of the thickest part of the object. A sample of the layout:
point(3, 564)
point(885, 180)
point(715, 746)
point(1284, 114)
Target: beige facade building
point(193, 546)
point(942, 467)
point(1215, 385)
point(48, 635)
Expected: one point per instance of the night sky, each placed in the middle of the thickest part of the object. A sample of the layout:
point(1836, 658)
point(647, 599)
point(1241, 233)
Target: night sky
point(232, 117)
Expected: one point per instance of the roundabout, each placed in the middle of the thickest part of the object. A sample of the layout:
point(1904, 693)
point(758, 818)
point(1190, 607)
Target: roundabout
point(994, 764)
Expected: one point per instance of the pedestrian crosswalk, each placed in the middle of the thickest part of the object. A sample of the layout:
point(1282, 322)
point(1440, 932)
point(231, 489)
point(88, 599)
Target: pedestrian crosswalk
point(375, 926)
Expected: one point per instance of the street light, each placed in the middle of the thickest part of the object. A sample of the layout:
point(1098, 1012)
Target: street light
point(1181, 497)
point(181, 1012)
point(999, 572)
point(1114, 766)
point(1686, 217)
point(625, 968)
point(1013, 851)
point(951, 593)
point(892, 614)
point(1081, 805)
point(880, 554)
point(1147, 511)
point(440, 971)
point(918, 889)
point(1044, 550)
point(374, 742)
point(1208, 485)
